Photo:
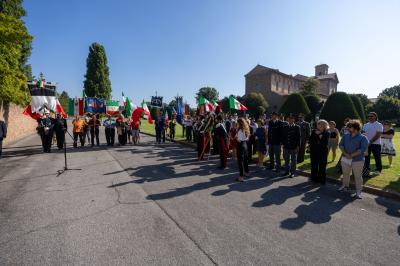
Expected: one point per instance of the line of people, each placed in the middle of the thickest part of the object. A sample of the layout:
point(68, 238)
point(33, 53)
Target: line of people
point(85, 129)
point(293, 137)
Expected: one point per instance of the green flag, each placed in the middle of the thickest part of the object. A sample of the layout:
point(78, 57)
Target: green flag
point(71, 107)
point(128, 108)
point(84, 94)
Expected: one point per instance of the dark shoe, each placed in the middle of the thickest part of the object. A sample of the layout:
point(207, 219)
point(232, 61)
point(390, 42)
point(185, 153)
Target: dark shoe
point(286, 174)
point(291, 175)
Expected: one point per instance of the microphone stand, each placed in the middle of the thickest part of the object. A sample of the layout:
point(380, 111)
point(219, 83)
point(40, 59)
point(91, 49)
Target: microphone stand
point(60, 172)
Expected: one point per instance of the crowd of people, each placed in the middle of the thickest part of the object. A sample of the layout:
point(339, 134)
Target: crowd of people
point(288, 139)
point(281, 139)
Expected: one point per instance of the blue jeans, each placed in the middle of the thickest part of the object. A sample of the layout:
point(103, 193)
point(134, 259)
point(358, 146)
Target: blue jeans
point(275, 156)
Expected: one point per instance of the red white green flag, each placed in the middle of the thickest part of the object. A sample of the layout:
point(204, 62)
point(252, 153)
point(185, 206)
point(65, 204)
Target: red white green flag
point(112, 107)
point(146, 112)
point(235, 104)
point(208, 106)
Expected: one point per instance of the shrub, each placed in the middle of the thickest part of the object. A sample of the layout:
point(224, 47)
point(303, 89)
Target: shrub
point(359, 107)
point(338, 107)
point(295, 104)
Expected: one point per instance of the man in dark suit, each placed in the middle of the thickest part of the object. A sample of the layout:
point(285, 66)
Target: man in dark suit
point(60, 127)
point(3, 134)
point(291, 143)
point(305, 135)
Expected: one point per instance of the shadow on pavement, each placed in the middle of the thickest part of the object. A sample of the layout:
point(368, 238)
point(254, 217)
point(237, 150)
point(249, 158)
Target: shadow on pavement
point(392, 208)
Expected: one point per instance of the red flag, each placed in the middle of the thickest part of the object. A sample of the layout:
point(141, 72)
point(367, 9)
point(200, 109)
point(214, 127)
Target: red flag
point(28, 112)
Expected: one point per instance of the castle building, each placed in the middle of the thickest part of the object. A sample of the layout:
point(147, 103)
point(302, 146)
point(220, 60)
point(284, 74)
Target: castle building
point(276, 85)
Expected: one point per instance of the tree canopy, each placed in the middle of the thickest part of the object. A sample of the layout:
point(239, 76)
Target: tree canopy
point(209, 93)
point(64, 100)
point(97, 82)
point(391, 92)
point(309, 87)
point(295, 104)
point(338, 107)
point(363, 98)
point(13, 36)
point(387, 108)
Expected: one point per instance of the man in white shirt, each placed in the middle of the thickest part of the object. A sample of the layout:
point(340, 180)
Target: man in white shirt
point(373, 131)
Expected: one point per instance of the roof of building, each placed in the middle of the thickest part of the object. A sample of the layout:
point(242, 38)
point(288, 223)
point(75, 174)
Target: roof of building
point(259, 69)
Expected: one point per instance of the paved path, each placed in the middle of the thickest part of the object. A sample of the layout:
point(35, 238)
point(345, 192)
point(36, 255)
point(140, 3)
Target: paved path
point(156, 205)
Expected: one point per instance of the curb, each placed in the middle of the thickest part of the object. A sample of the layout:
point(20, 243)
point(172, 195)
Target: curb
point(387, 193)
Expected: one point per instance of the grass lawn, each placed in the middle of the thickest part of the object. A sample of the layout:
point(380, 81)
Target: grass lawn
point(150, 129)
point(389, 178)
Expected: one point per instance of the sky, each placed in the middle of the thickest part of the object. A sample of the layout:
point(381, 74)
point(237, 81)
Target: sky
point(175, 47)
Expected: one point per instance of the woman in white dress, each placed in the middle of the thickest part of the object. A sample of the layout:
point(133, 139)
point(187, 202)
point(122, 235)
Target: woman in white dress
point(387, 141)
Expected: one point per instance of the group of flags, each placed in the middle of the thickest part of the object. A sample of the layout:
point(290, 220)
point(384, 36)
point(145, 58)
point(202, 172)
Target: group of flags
point(212, 106)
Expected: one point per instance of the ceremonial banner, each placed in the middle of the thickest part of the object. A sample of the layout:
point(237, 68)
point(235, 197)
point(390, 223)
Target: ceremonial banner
point(179, 110)
point(156, 101)
point(43, 98)
point(94, 105)
point(112, 107)
point(187, 109)
point(79, 106)
point(71, 107)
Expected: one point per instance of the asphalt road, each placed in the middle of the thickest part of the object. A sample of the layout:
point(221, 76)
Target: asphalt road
point(157, 205)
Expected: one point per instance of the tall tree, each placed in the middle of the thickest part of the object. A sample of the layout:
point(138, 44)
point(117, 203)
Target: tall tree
point(13, 35)
point(97, 82)
point(209, 93)
point(309, 87)
point(14, 8)
point(391, 92)
point(387, 108)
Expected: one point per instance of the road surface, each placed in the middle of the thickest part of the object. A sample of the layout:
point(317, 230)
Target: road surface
point(156, 205)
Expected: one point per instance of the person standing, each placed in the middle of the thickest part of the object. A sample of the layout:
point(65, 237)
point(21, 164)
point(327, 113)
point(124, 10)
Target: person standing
point(3, 135)
point(291, 145)
point(135, 126)
point(261, 142)
point(121, 130)
point(221, 137)
point(172, 129)
point(333, 139)
point(189, 128)
point(109, 125)
point(373, 131)
point(60, 127)
point(128, 129)
point(233, 139)
point(319, 151)
point(353, 147)
point(159, 126)
point(79, 131)
point(46, 127)
point(242, 137)
point(274, 141)
point(305, 130)
point(94, 125)
point(86, 134)
point(387, 142)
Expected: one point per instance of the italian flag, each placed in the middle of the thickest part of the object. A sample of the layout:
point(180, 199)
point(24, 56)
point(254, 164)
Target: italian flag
point(79, 106)
point(112, 107)
point(235, 104)
point(123, 99)
point(146, 112)
point(208, 106)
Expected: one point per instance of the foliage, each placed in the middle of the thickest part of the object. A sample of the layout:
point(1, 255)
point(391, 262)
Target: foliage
point(256, 104)
point(13, 35)
point(209, 93)
point(309, 87)
point(295, 104)
point(314, 104)
point(363, 98)
point(64, 100)
point(97, 82)
point(338, 107)
point(391, 92)
point(359, 107)
point(14, 8)
point(387, 108)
